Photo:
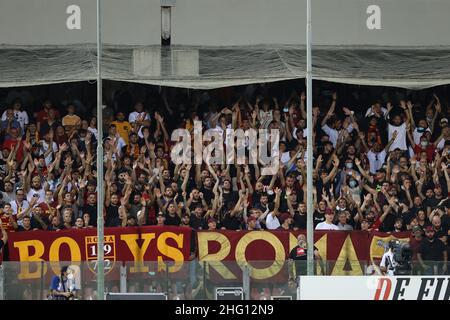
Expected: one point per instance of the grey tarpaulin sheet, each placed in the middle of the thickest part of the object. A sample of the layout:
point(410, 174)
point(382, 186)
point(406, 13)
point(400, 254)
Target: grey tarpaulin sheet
point(212, 67)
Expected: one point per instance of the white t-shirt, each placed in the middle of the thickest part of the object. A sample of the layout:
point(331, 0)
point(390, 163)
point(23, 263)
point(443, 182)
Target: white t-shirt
point(120, 144)
point(400, 141)
point(370, 113)
point(7, 198)
point(376, 160)
point(20, 116)
point(265, 118)
point(94, 131)
point(334, 134)
point(388, 261)
point(134, 115)
point(285, 157)
point(40, 192)
point(272, 222)
point(44, 149)
point(417, 135)
point(17, 208)
point(441, 144)
point(326, 226)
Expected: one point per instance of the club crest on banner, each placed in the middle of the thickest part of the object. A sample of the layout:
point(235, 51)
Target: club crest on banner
point(109, 249)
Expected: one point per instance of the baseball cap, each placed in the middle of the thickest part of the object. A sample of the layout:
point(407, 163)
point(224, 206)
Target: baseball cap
point(429, 228)
point(444, 120)
point(211, 220)
point(160, 214)
point(284, 216)
point(328, 211)
point(416, 229)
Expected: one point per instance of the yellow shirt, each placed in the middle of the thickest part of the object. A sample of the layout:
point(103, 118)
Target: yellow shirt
point(71, 120)
point(123, 129)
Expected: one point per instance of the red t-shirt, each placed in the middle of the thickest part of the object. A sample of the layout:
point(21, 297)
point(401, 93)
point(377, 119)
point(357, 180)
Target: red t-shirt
point(10, 144)
point(7, 223)
point(430, 150)
point(42, 115)
point(46, 209)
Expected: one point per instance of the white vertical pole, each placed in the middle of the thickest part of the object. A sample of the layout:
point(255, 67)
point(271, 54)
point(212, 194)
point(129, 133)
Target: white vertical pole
point(100, 188)
point(123, 279)
point(309, 163)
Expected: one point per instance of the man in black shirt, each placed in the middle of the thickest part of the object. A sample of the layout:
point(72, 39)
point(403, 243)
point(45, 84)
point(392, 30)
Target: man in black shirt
point(319, 214)
point(230, 197)
point(173, 213)
point(26, 224)
point(432, 253)
point(160, 219)
point(197, 222)
point(112, 212)
point(430, 201)
point(262, 203)
point(91, 208)
point(298, 256)
point(258, 193)
point(206, 190)
point(300, 217)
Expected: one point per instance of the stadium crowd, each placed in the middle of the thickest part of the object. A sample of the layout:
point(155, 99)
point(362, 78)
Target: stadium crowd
point(383, 166)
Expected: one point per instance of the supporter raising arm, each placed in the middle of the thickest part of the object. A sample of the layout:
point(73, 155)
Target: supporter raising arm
point(272, 221)
point(396, 124)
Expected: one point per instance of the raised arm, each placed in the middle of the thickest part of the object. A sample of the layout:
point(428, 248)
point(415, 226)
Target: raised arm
point(186, 178)
point(247, 179)
point(277, 202)
point(362, 171)
point(436, 113)
point(160, 120)
point(198, 175)
point(333, 172)
point(410, 138)
point(394, 136)
point(302, 104)
point(4, 234)
point(447, 177)
point(330, 111)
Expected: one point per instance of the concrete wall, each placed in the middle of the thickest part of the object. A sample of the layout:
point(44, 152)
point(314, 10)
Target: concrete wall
point(228, 22)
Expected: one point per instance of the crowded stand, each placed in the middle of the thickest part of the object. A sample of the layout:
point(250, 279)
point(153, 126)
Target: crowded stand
point(381, 162)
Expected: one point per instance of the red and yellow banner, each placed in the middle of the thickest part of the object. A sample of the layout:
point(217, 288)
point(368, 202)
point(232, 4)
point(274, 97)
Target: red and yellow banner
point(223, 252)
point(263, 252)
point(136, 244)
